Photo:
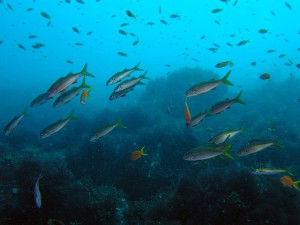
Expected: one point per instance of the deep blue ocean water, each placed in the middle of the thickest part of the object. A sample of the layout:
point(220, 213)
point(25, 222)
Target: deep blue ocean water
point(180, 44)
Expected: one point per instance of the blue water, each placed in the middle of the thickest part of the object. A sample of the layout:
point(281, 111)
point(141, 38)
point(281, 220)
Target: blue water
point(97, 182)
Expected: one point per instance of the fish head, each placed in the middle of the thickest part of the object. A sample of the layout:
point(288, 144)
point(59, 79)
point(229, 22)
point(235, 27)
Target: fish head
point(191, 92)
point(111, 81)
point(44, 134)
point(189, 156)
point(113, 96)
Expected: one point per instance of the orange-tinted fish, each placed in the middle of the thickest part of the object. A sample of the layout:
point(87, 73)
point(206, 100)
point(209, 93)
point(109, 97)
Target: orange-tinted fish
point(265, 76)
point(223, 64)
point(288, 181)
point(138, 154)
point(187, 113)
point(84, 95)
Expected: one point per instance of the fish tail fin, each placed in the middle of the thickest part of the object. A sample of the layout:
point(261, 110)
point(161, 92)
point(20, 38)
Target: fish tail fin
point(226, 152)
point(296, 185)
point(84, 71)
point(143, 76)
point(88, 91)
point(83, 84)
point(120, 124)
point(142, 151)
point(238, 98)
point(137, 67)
point(278, 144)
point(70, 117)
point(225, 79)
point(290, 171)
point(25, 112)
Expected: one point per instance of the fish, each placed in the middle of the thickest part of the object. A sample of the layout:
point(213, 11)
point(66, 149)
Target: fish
point(124, 24)
point(242, 42)
point(78, 43)
point(223, 64)
point(131, 82)
point(175, 16)
point(255, 146)
point(163, 22)
point(204, 87)
point(29, 9)
point(21, 47)
point(80, 1)
point(159, 10)
point(282, 55)
point(84, 95)
point(9, 6)
point(37, 192)
point(64, 82)
point(216, 10)
point(235, 3)
point(253, 63)
point(76, 30)
point(262, 31)
point(271, 171)
point(32, 36)
point(187, 113)
point(138, 154)
point(130, 14)
point(298, 65)
point(221, 106)
point(136, 42)
point(221, 138)
point(121, 75)
point(288, 182)
point(229, 44)
point(14, 123)
point(271, 50)
point(288, 5)
point(197, 119)
point(122, 53)
point(55, 222)
point(273, 13)
point(265, 76)
point(123, 32)
point(150, 23)
point(119, 94)
point(54, 128)
point(38, 45)
point(89, 33)
point(45, 15)
point(105, 130)
point(207, 152)
point(69, 61)
point(39, 100)
point(67, 96)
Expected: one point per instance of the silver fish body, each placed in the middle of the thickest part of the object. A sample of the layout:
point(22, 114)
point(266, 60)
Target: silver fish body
point(121, 75)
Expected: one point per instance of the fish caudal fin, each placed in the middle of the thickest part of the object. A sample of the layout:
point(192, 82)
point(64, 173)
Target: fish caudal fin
point(296, 185)
point(84, 71)
point(120, 124)
point(225, 79)
point(70, 117)
point(238, 98)
point(87, 92)
point(25, 112)
point(290, 171)
point(83, 84)
point(142, 152)
point(137, 67)
point(143, 76)
point(226, 152)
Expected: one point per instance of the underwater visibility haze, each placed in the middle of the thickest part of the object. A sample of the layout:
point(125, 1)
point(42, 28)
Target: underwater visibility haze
point(150, 112)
